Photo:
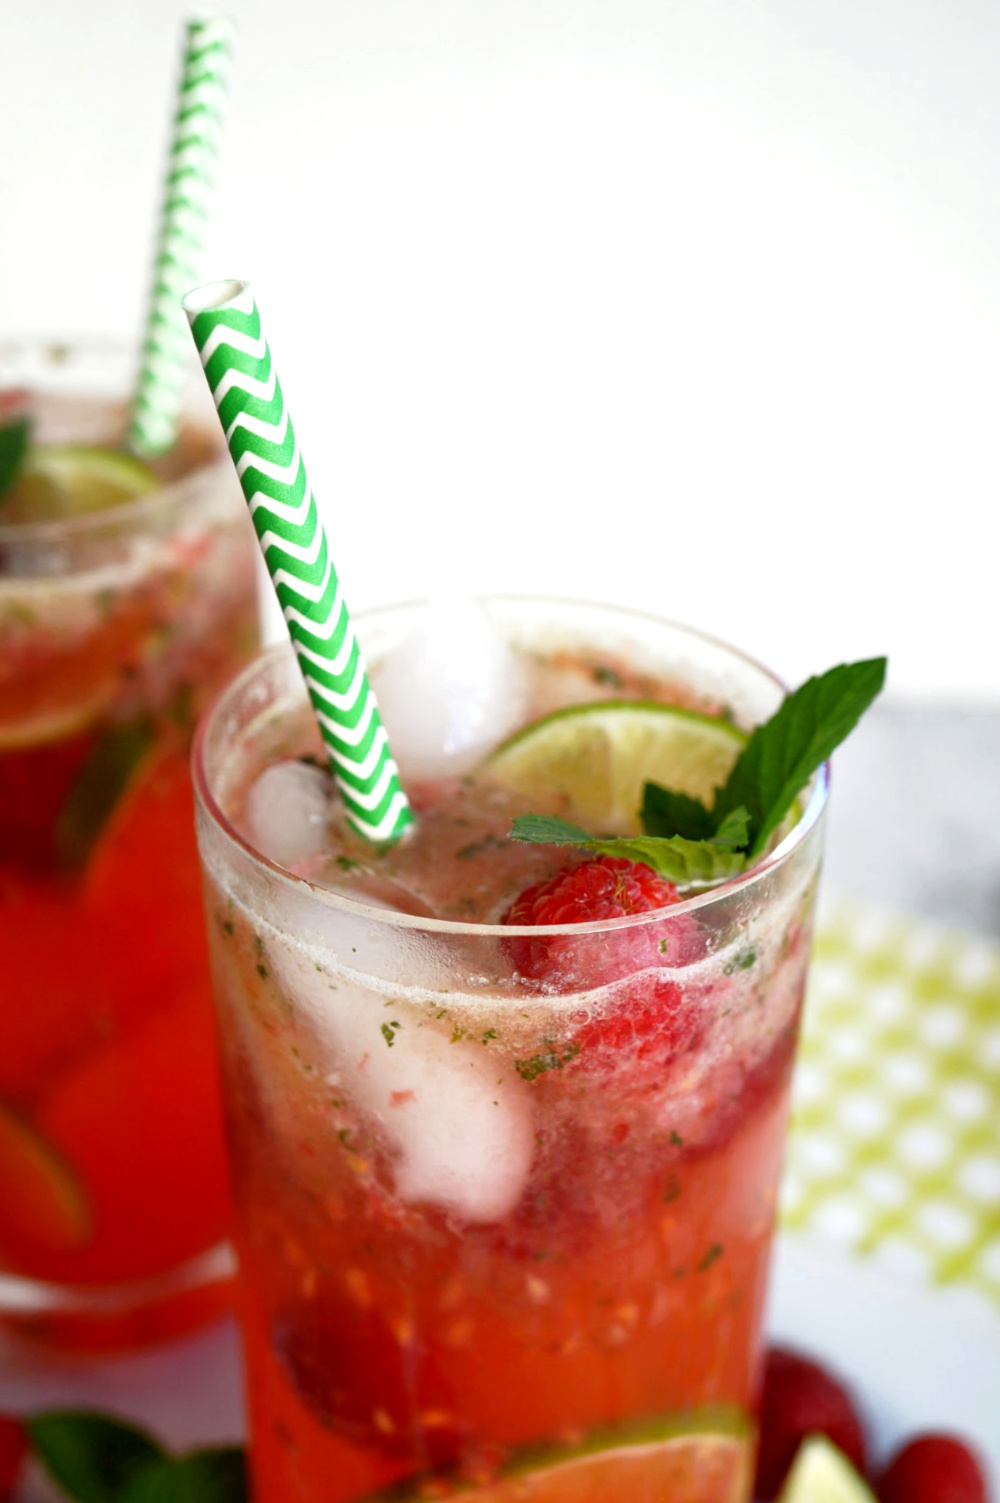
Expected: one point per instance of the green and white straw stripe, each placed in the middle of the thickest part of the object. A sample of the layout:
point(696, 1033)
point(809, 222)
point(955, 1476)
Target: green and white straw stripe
point(189, 193)
point(227, 331)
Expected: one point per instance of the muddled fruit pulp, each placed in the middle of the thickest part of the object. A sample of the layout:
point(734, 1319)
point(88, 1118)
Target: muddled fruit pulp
point(484, 1210)
point(111, 1155)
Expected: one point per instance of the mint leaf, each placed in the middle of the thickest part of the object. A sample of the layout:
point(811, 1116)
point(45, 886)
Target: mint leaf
point(203, 1477)
point(667, 813)
point(733, 833)
point(548, 829)
point(92, 1458)
point(686, 862)
point(96, 1459)
point(15, 437)
point(782, 755)
point(100, 783)
point(678, 860)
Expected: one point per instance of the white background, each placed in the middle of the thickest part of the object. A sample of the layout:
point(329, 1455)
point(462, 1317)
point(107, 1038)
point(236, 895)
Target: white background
point(687, 303)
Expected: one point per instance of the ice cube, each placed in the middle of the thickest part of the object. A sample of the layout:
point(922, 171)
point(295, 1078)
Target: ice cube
point(451, 691)
point(457, 1117)
point(461, 1120)
point(287, 812)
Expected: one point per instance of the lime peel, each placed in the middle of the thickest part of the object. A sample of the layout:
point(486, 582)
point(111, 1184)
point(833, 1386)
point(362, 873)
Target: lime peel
point(598, 757)
point(700, 1457)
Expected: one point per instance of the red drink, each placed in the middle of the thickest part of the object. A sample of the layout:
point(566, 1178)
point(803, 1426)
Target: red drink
point(505, 1196)
point(115, 626)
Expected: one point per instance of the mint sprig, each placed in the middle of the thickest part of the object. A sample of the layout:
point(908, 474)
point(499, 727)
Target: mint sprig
point(782, 755)
point(679, 860)
point(15, 437)
point(202, 1477)
point(92, 1457)
point(667, 813)
point(689, 843)
point(96, 1459)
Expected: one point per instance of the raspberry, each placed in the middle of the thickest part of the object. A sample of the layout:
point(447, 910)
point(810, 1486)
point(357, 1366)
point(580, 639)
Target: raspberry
point(801, 1399)
point(606, 888)
point(13, 1448)
point(348, 1367)
point(933, 1469)
point(645, 1020)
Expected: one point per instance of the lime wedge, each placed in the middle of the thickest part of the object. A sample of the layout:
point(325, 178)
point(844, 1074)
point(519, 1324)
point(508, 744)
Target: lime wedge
point(42, 1204)
point(683, 1468)
point(41, 729)
point(822, 1474)
point(596, 758)
point(699, 1458)
point(67, 480)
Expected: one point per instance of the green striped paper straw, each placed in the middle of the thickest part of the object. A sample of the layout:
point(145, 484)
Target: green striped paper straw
point(245, 388)
point(188, 195)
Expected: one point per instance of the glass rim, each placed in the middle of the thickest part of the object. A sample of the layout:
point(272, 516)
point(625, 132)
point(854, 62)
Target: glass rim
point(338, 902)
point(23, 1296)
point(126, 515)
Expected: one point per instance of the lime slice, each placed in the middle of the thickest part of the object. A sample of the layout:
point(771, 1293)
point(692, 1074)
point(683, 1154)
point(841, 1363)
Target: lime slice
point(822, 1474)
point(683, 1468)
point(42, 1203)
point(596, 758)
point(67, 480)
point(53, 725)
point(703, 1458)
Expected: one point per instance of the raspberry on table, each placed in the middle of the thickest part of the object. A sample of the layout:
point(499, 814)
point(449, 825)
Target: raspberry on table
point(933, 1469)
point(801, 1399)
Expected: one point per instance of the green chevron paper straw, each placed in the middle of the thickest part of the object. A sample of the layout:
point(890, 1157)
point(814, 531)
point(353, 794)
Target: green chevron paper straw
point(226, 328)
point(188, 195)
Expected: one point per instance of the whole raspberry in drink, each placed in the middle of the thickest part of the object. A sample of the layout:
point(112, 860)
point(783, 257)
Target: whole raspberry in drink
point(647, 1014)
point(801, 1398)
point(934, 1468)
point(606, 888)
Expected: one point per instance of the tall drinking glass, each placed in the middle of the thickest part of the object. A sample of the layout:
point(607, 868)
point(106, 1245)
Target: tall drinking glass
point(498, 1233)
point(116, 626)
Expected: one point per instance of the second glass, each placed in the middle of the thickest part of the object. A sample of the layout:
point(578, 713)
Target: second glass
point(116, 626)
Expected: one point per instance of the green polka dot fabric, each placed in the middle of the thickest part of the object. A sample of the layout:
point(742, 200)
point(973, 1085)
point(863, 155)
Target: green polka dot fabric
point(895, 1143)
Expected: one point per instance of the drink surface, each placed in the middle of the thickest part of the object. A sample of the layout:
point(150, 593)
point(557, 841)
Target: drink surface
point(114, 630)
point(499, 1206)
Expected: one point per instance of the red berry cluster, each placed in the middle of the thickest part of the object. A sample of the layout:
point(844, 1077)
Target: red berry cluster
point(801, 1399)
point(646, 1019)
